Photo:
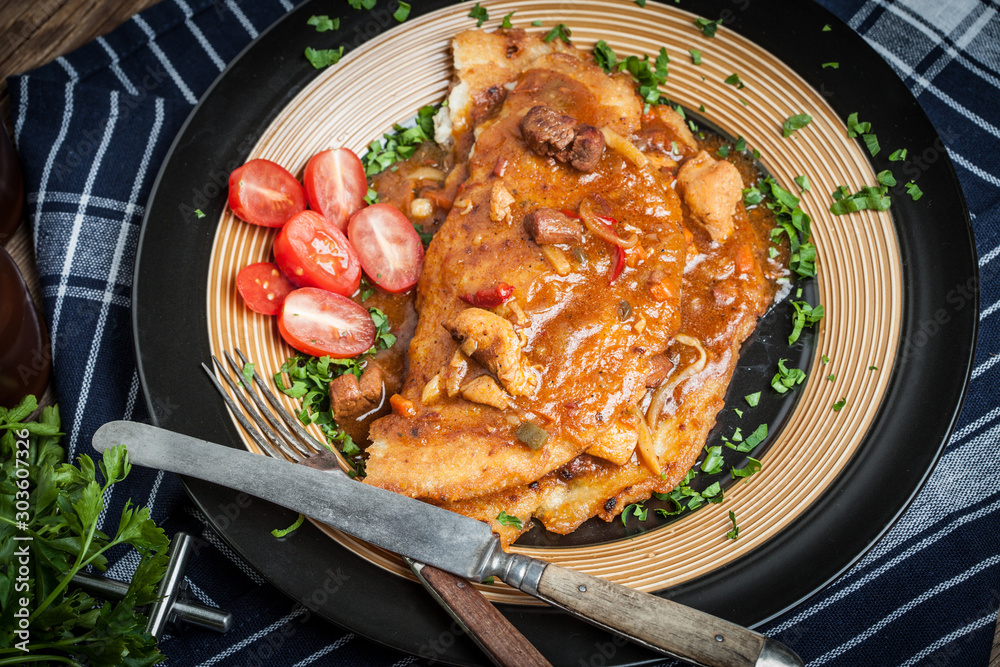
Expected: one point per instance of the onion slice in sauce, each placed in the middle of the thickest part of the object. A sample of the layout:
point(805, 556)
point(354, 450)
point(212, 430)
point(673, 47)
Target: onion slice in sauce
point(660, 396)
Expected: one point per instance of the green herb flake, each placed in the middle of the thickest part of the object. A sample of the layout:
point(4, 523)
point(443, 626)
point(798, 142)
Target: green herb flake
point(740, 145)
point(641, 3)
point(874, 198)
point(856, 128)
point(323, 23)
point(831, 65)
point(794, 123)
point(634, 509)
point(480, 14)
point(831, 377)
point(825, 359)
point(372, 196)
point(402, 12)
point(708, 28)
point(914, 191)
point(723, 150)
point(786, 378)
point(561, 31)
point(886, 178)
point(803, 183)
point(733, 534)
point(713, 463)
point(805, 316)
point(734, 80)
point(399, 144)
point(505, 519)
point(506, 20)
point(839, 405)
point(752, 467)
point(827, 28)
point(739, 413)
point(752, 399)
point(361, 4)
point(794, 223)
point(198, 213)
point(695, 56)
point(282, 532)
point(537, 23)
point(755, 438)
point(247, 375)
point(871, 142)
point(320, 58)
point(873, 368)
point(898, 155)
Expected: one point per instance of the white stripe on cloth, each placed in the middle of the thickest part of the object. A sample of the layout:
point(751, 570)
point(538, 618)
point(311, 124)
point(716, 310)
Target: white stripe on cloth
point(917, 659)
point(989, 311)
point(86, 293)
point(934, 90)
point(22, 112)
point(405, 661)
point(969, 428)
point(298, 611)
point(978, 171)
point(219, 63)
point(100, 202)
point(864, 578)
point(109, 129)
point(242, 18)
point(116, 68)
point(167, 65)
point(905, 608)
point(287, 4)
point(57, 144)
point(124, 230)
point(133, 393)
point(989, 257)
point(200, 594)
point(326, 650)
point(985, 366)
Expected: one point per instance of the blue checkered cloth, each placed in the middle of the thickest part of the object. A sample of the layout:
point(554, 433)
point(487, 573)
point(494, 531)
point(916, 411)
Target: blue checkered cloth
point(92, 129)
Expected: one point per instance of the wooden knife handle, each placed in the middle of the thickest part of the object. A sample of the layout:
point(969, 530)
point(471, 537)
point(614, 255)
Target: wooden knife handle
point(660, 624)
point(494, 634)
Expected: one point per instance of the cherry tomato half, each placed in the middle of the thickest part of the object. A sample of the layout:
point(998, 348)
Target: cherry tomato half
point(314, 253)
point(320, 323)
point(264, 193)
point(263, 287)
point(388, 246)
point(336, 185)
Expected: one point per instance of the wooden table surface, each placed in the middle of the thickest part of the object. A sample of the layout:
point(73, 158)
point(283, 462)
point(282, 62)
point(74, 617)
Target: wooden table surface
point(35, 33)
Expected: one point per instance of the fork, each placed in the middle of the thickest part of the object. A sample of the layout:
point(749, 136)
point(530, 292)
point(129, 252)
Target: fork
point(279, 435)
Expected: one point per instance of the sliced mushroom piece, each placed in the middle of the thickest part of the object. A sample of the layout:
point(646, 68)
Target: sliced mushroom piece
point(712, 189)
point(500, 202)
point(485, 391)
point(492, 341)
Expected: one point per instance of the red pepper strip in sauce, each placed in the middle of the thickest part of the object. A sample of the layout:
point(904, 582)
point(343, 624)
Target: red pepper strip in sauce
point(491, 297)
point(619, 265)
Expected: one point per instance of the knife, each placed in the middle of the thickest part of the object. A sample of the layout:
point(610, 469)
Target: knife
point(451, 542)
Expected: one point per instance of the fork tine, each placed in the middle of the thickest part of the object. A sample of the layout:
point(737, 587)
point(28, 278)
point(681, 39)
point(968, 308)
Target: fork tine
point(240, 417)
point(292, 422)
point(302, 448)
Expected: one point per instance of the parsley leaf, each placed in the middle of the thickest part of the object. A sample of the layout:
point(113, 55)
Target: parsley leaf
point(635, 508)
point(198, 213)
point(734, 80)
point(831, 65)
point(321, 58)
point(713, 462)
point(803, 183)
point(641, 3)
point(825, 359)
point(282, 532)
point(400, 144)
point(506, 20)
point(862, 129)
point(786, 378)
point(537, 23)
point(827, 28)
point(794, 223)
point(480, 14)
point(248, 375)
point(805, 315)
point(505, 519)
point(323, 23)
point(402, 12)
point(752, 399)
point(708, 28)
point(793, 123)
point(898, 155)
point(733, 534)
point(869, 197)
point(914, 191)
point(886, 178)
point(753, 466)
point(361, 4)
point(562, 31)
point(695, 56)
point(605, 56)
point(839, 404)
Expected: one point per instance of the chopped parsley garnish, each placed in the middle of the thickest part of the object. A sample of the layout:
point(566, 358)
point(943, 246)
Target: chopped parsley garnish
point(869, 197)
point(561, 31)
point(914, 191)
point(898, 155)
point(745, 445)
point(505, 519)
point(635, 508)
point(480, 14)
point(827, 28)
point(885, 178)
point(198, 213)
point(831, 65)
point(863, 129)
point(282, 532)
point(713, 463)
point(400, 144)
point(839, 404)
point(756, 437)
point(871, 141)
point(648, 77)
point(361, 4)
point(825, 359)
point(383, 339)
point(831, 377)
point(366, 289)
point(740, 145)
point(685, 498)
point(506, 20)
point(752, 399)
point(402, 12)
point(733, 534)
point(739, 413)
point(372, 196)
point(873, 368)
point(794, 223)
point(247, 375)
point(793, 123)
point(708, 28)
point(803, 183)
point(321, 58)
point(323, 23)
point(734, 80)
point(537, 23)
point(695, 56)
point(752, 196)
point(723, 150)
point(805, 315)
point(786, 378)
point(753, 466)
point(641, 3)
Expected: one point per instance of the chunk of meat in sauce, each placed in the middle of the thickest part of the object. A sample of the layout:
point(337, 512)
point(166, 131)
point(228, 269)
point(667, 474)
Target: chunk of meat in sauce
point(492, 341)
point(562, 137)
point(351, 398)
point(547, 225)
point(659, 369)
point(711, 189)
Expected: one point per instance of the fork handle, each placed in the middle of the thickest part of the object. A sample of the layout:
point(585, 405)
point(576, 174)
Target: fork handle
point(491, 631)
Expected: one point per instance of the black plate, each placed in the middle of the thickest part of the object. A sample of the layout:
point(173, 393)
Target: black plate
point(919, 410)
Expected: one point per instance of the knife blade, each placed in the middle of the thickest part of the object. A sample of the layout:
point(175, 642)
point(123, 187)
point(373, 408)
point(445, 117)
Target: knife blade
point(452, 542)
